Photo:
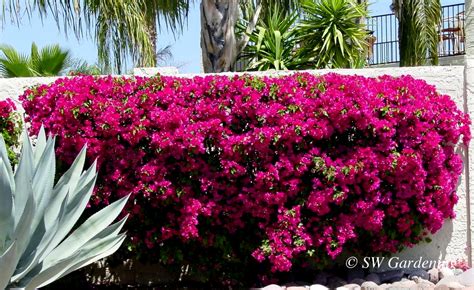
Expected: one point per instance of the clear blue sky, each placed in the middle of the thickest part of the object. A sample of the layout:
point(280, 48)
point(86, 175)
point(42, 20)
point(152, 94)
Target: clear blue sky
point(185, 48)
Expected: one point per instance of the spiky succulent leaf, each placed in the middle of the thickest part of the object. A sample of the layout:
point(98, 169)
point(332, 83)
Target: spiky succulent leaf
point(42, 275)
point(91, 227)
point(79, 197)
point(7, 265)
point(43, 179)
point(66, 183)
point(102, 245)
point(104, 248)
point(71, 215)
point(38, 245)
point(40, 145)
point(34, 250)
point(23, 178)
point(22, 231)
point(6, 195)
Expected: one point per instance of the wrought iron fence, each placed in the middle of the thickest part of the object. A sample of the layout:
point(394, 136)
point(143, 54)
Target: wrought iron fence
point(383, 42)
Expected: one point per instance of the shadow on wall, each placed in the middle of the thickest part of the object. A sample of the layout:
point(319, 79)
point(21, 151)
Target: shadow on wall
point(464, 152)
point(424, 255)
point(435, 253)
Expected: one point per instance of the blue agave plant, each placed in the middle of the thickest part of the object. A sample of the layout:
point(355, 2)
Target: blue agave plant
point(37, 246)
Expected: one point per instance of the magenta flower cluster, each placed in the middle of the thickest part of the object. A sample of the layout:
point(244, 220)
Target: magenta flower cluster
point(303, 167)
point(10, 126)
point(7, 108)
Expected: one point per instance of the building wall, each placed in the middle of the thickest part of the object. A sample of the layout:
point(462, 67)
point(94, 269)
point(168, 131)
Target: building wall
point(453, 241)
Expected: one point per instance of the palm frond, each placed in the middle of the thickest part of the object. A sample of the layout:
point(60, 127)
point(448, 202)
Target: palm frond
point(418, 37)
point(82, 67)
point(170, 14)
point(164, 54)
point(51, 61)
point(123, 29)
point(13, 64)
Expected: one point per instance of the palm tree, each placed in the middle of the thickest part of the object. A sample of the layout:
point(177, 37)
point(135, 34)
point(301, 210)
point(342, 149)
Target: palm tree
point(49, 61)
point(128, 28)
point(418, 36)
point(122, 29)
point(218, 40)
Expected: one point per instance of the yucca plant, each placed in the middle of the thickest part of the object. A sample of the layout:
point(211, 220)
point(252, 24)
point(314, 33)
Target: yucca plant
point(273, 44)
point(36, 218)
point(332, 34)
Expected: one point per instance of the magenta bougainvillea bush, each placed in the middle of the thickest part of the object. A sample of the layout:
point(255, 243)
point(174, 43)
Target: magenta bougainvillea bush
point(280, 171)
point(10, 126)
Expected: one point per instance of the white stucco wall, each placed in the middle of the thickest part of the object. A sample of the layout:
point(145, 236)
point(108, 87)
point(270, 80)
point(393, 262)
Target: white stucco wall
point(14, 87)
point(453, 241)
point(469, 107)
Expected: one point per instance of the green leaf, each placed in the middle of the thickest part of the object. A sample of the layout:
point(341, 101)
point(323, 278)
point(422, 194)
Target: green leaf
point(7, 185)
point(75, 207)
point(8, 261)
point(43, 180)
point(40, 145)
point(94, 253)
point(23, 177)
point(66, 184)
point(38, 244)
point(92, 226)
point(44, 275)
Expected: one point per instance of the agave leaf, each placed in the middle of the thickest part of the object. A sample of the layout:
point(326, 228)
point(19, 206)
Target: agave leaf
point(6, 204)
point(99, 251)
point(23, 178)
point(4, 157)
point(39, 244)
point(102, 245)
point(40, 145)
point(7, 265)
point(71, 215)
point(83, 181)
point(70, 179)
point(43, 180)
point(67, 183)
point(112, 230)
point(41, 274)
point(91, 227)
point(24, 228)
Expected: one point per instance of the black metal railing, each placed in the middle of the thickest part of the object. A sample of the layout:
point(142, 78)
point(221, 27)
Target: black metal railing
point(383, 42)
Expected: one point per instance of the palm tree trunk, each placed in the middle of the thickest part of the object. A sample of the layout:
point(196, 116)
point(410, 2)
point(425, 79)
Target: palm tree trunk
point(218, 41)
point(417, 35)
point(150, 61)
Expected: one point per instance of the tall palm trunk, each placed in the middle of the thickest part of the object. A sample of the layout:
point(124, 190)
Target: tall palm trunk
point(151, 29)
point(218, 40)
point(418, 36)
